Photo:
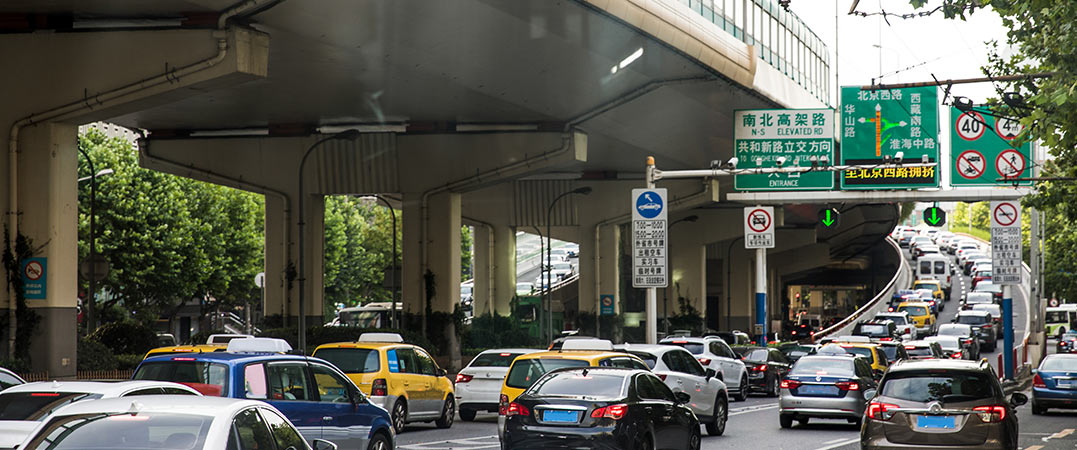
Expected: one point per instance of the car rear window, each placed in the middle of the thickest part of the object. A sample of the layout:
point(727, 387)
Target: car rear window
point(914, 310)
point(860, 351)
point(969, 319)
point(940, 267)
point(824, 367)
point(890, 351)
point(37, 405)
point(692, 347)
point(872, 330)
point(208, 378)
point(351, 360)
point(494, 359)
point(919, 351)
point(526, 372)
point(124, 431)
point(1051, 364)
point(591, 384)
point(757, 355)
point(946, 386)
point(898, 320)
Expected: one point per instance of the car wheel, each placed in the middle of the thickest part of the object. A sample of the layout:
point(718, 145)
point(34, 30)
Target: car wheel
point(857, 421)
point(802, 420)
point(378, 442)
point(742, 390)
point(694, 440)
point(773, 389)
point(448, 413)
point(399, 416)
point(467, 415)
point(785, 420)
point(721, 415)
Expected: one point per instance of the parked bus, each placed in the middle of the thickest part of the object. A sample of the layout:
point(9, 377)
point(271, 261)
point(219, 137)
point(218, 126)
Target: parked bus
point(1060, 318)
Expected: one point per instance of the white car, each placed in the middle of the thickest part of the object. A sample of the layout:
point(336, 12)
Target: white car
point(562, 270)
point(478, 386)
point(9, 379)
point(169, 422)
point(683, 373)
point(712, 352)
point(22, 407)
point(525, 288)
point(905, 326)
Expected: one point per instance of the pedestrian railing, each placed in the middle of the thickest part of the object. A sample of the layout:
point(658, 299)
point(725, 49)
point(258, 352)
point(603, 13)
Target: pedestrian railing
point(871, 306)
point(83, 375)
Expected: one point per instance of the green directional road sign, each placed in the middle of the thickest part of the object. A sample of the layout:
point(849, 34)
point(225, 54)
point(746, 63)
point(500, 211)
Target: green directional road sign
point(876, 124)
point(935, 216)
point(981, 150)
point(829, 217)
point(762, 136)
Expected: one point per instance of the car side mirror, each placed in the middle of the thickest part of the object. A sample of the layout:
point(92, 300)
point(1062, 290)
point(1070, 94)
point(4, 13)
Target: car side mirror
point(442, 373)
point(869, 394)
point(1035, 371)
point(322, 444)
point(682, 397)
point(1018, 399)
point(711, 373)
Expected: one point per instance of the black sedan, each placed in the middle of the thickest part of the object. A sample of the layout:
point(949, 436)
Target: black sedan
point(600, 408)
point(766, 367)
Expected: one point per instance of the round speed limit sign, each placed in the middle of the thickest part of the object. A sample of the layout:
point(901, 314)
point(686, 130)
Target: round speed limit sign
point(970, 126)
point(1008, 128)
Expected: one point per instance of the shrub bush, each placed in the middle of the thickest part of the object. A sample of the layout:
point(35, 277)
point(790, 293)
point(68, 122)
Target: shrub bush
point(493, 331)
point(93, 355)
point(128, 362)
point(125, 338)
point(16, 365)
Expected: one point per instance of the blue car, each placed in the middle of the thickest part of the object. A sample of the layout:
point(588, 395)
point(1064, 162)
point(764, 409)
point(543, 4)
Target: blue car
point(317, 398)
point(1055, 383)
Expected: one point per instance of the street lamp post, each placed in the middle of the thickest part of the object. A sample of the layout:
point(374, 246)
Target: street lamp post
point(343, 135)
point(665, 304)
point(91, 323)
point(394, 321)
point(549, 284)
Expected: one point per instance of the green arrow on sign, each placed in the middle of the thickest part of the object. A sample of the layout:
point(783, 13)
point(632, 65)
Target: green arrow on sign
point(934, 219)
point(934, 216)
point(828, 221)
point(829, 217)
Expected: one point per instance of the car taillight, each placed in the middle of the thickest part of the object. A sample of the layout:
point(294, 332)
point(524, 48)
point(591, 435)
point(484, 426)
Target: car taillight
point(986, 326)
point(662, 376)
point(891, 309)
point(516, 409)
point(991, 414)
point(790, 384)
point(503, 404)
point(956, 355)
point(910, 347)
point(1037, 381)
point(705, 361)
point(848, 385)
point(380, 387)
point(760, 368)
point(462, 378)
point(880, 411)
point(615, 412)
point(886, 339)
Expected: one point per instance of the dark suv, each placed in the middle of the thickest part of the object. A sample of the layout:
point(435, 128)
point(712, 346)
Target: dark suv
point(983, 325)
point(877, 330)
point(941, 403)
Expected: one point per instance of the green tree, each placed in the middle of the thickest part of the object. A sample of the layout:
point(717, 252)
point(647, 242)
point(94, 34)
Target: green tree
point(168, 239)
point(466, 243)
point(358, 250)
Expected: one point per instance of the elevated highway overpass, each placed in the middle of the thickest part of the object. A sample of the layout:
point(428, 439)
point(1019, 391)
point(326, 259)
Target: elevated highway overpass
point(474, 112)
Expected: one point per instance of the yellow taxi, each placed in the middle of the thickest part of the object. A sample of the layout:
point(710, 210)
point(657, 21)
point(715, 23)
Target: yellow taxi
point(873, 352)
point(920, 314)
point(200, 348)
point(934, 285)
point(402, 378)
point(527, 369)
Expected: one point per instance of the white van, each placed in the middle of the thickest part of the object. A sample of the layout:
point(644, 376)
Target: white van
point(934, 266)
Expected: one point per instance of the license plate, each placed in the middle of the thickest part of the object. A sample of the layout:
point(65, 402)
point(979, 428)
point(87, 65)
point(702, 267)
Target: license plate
point(553, 415)
point(944, 422)
point(808, 389)
point(1065, 383)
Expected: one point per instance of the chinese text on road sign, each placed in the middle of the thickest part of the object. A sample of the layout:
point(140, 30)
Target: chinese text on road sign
point(1006, 242)
point(759, 227)
point(880, 123)
point(649, 244)
point(762, 136)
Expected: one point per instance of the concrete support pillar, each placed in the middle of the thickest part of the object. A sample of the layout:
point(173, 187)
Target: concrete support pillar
point(48, 205)
point(609, 259)
point(314, 229)
point(504, 269)
point(279, 287)
point(443, 251)
point(483, 291)
point(738, 301)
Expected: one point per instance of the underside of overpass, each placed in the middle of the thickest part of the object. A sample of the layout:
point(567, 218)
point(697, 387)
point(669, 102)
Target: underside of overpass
point(478, 112)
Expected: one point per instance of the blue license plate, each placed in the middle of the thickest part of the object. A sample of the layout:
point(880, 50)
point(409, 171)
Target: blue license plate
point(808, 389)
point(1065, 383)
point(553, 415)
point(945, 422)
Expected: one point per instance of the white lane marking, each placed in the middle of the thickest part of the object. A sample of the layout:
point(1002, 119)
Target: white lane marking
point(833, 441)
point(839, 444)
point(752, 409)
point(1059, 435)
point(461, 444)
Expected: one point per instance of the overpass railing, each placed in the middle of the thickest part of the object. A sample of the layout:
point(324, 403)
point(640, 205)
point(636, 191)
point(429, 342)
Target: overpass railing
point(880, 300)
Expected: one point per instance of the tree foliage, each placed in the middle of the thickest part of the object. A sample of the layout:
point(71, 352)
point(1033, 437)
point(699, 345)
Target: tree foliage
point(358, 251)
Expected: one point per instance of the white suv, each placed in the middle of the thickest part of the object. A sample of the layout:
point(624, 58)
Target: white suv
point(715, 354)
point(683, 373)
point(905, 326)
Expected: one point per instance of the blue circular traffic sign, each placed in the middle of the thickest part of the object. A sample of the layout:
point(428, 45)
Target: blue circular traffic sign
point(649, 204)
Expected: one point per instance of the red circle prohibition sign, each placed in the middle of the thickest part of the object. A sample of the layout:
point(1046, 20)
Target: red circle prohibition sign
point(1007, 163)
point(1005, 214)
point(969, 157)
point(977, 122)
point(751, 220)
point(34, 271)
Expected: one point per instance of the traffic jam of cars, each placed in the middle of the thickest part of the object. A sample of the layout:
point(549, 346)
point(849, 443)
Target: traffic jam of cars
point(902, 378)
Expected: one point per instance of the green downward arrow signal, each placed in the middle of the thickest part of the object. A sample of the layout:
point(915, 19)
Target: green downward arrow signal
point(934, 219)
point(828, 221)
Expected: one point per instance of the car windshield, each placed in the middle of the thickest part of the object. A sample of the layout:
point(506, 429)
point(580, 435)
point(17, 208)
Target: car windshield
point(124, 431)
point(588, 384)
point(918, 351)
point(948, 343)
point(526, 372)
point(914, 310)
point(1051, 364)
point(562, 266)
point(931, 286)
point(494, 359)
point(351, 360)
point(694, 348)
point(37, 405)
point(859, 351)
point(890, 351)
point(831, 367)
point(988, 287)
point(953, 331)
point(872, 330)
point(208, 378)
point(946, 386)
point(969, 319)
point(978, 297)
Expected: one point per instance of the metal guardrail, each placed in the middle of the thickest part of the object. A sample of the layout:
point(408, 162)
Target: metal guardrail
point(870, 306)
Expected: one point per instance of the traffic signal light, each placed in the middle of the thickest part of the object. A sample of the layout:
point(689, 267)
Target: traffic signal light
point(935, 216)
point(829, 217)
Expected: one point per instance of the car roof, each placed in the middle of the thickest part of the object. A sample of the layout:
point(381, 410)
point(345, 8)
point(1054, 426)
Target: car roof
point(511, 350)
point(105, 388)
point(649, 348)
point(973, 312)
point(573, 354)
point(180, 404)
point(364, 345)
point(828, 357)
point(924, 304)
point(919, 343)
point(225, 357)
point(908, 365)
